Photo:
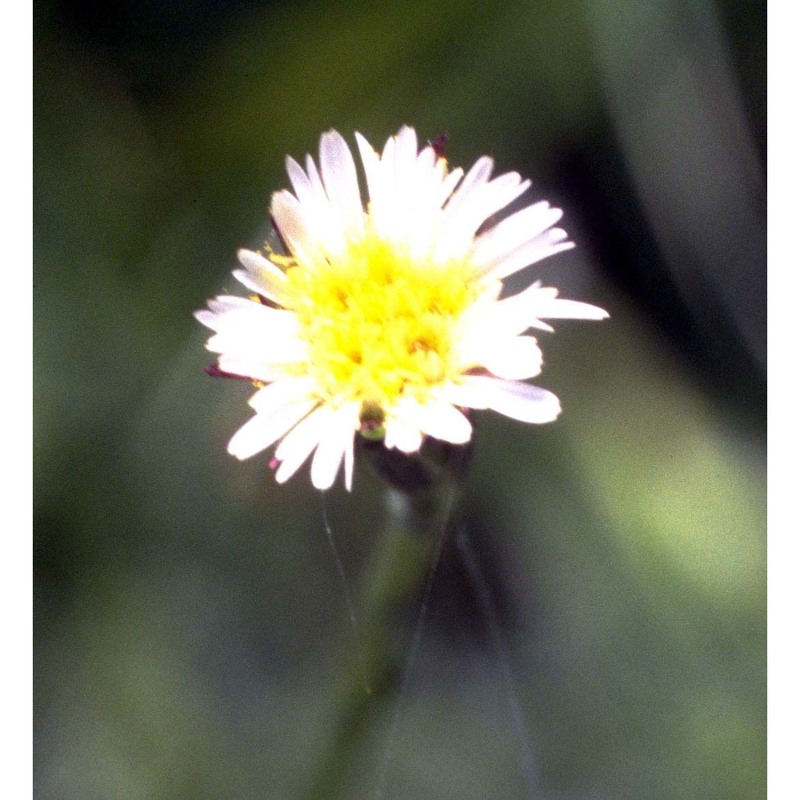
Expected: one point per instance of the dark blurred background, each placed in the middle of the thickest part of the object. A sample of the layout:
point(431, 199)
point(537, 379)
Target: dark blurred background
point(190, 626)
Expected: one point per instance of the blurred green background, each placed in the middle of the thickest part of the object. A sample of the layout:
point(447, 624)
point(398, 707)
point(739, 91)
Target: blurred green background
point(191, 631)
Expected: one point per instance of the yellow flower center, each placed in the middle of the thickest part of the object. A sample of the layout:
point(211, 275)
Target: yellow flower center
point(381, 325)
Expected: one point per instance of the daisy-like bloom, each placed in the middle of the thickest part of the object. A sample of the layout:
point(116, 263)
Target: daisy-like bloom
point(387, 320)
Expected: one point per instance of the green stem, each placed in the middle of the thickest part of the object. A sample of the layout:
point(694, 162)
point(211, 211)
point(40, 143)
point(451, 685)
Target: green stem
point(417, 521)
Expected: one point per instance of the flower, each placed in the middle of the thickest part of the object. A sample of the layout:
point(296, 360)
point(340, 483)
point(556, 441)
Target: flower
point(387, 320)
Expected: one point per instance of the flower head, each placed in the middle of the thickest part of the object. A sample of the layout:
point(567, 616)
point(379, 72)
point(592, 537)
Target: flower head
point(387, 320)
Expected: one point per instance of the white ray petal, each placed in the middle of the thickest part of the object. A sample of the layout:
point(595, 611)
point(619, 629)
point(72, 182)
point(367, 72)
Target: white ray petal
point(435, 418)
point(251, 368)
point(318, 212)
point(223, 303)
point(515, 359)
point(514, 399)
point(295, 224)
point(405, 150)
point(387, 156)
point(476, 177)
point(308, 192)
point(372, 167)
point(281, 392)
point(303, 188)
point(546, 305)
point(406, 193)
point(272, 351)
point(315, 178)
point(251, 321)
point(486, 324)
point(262, 285)
point(449, 185)
point(525, 402)
point(219, 309)
point(384, 204)
point(469, 393)
point(262, 276)
point(401, 435)
point(341, 179)
point(445, 422)
point(297, 445)
point(334, 446)
point(406, 186)
point(514, 231)
point(547, 244)
point(206, 317)
point(460, 222)
point(426, 161)
point(536, 303)
point(348, 464)
point(262, 430)
point(495, 195)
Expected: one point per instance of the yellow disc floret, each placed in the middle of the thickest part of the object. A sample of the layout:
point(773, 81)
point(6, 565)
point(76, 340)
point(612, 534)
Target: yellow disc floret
point(380, 324)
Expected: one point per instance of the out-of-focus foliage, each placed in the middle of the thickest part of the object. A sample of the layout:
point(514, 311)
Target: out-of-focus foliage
point(191, 629)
